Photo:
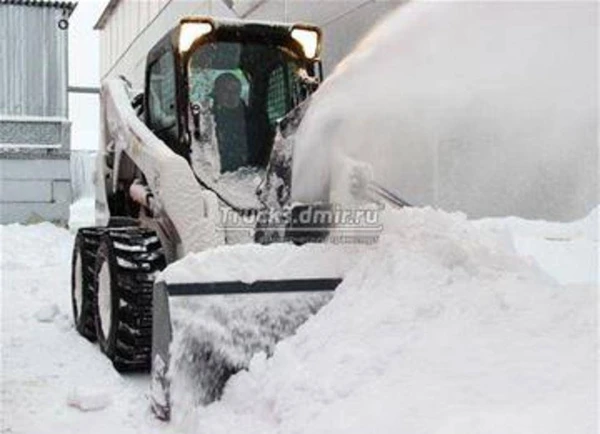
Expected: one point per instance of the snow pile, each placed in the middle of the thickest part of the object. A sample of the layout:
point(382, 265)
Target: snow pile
point(82, 213)
point(441, 328)
point(583, 229)
point(216, 336)
point(47, 313)
point(567, 251)
point(251, 262)
point(89, 399)
point(485, 107)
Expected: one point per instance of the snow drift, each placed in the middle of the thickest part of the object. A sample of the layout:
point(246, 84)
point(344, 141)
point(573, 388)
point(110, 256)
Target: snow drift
point(485, 107)
point(440, 328)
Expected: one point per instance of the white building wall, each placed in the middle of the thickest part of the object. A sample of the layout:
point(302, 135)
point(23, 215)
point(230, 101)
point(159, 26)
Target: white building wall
point(135, 26)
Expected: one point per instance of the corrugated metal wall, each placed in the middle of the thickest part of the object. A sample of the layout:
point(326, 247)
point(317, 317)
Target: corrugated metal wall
point(344, 23)
point(33, 63)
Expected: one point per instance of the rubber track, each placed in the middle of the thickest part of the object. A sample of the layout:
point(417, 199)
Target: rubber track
point(90, 239)
point(139, 258)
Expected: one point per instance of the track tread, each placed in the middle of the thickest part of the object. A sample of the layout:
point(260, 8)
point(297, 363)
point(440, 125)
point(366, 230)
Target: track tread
point(138, 258)
point(90, 239)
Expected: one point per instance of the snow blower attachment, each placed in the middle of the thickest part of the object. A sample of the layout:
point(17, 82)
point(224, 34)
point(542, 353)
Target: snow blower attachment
point(206, 328)
point(205, 332)
point(214, 310)
point(196, 162)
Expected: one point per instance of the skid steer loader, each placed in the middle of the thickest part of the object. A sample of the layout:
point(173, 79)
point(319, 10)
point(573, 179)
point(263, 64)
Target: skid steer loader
point(204, 141)
point(200, 159)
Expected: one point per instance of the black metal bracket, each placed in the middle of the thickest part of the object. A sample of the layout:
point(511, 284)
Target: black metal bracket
point(258, 287)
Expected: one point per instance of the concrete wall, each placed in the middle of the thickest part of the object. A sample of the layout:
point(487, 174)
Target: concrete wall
point(34, 189)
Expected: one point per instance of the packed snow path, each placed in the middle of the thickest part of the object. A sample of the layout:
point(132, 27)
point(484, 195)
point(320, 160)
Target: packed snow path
point(409, 342)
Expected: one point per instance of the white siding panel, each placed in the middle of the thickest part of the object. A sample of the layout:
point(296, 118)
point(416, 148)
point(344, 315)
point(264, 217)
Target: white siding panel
point(269, 11)
point(119, 29)
point(132, 63)
point(33, 63)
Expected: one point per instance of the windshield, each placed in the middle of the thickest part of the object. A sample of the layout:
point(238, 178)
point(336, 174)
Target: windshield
point(246, 88)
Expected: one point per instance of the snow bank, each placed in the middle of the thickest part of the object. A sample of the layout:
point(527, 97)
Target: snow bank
point(583, 229)
point(485, 107)
point(566, 251)
point(440, 328)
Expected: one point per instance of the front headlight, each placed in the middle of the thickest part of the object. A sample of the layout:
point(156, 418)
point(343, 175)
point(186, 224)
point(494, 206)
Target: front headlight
point(190, 32)
point(308, 39)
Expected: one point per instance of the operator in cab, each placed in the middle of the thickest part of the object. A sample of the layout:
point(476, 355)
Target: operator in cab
point(230, 113)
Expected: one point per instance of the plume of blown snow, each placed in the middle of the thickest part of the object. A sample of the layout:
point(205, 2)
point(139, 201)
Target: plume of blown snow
point(489, 108)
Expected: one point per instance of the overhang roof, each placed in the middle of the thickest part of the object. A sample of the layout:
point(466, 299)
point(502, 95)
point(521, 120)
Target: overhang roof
point(106, 13)
point(65, 5)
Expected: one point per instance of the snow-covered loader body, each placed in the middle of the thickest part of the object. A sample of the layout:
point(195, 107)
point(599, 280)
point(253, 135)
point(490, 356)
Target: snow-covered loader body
point(174, 165)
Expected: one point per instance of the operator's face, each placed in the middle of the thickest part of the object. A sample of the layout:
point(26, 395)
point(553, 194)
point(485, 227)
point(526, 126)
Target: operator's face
point(228, 94)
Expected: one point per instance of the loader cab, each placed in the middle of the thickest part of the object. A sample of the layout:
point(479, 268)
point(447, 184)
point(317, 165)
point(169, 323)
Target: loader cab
point(216, 89)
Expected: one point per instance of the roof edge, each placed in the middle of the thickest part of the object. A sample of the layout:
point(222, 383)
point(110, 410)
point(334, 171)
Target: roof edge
point(68, 6)
point(106, 13)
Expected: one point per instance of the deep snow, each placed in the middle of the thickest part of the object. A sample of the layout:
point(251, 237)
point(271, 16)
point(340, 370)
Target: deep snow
point(441, 328)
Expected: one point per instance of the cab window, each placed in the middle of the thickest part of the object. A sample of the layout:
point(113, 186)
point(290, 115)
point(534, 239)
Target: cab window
point(162, 94)
point(249, 87)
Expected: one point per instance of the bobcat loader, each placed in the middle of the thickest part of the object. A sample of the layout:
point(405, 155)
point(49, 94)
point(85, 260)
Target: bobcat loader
point(209, 141)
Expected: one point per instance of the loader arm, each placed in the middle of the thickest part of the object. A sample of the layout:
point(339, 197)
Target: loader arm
point(176, 191)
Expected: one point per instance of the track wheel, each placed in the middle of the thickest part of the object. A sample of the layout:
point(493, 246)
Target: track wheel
point(126, 264)
point(82, 280)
